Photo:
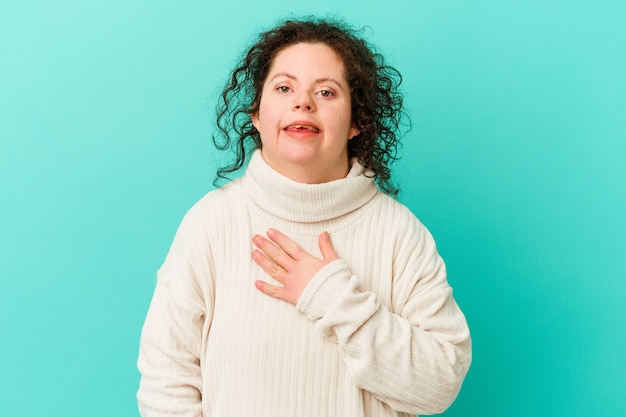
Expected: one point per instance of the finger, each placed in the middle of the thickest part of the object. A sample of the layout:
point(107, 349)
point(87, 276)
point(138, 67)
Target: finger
point(271, 290)
point(326, 247)
point(272, 251)
point(289, 246)
point(271, 268)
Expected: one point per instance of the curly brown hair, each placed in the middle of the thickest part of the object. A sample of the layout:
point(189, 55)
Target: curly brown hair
point(376, 101)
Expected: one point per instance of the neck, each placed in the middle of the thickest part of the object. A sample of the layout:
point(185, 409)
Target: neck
point(292, 200)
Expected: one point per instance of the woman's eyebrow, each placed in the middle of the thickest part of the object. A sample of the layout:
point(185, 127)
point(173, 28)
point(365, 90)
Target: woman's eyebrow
point(331, 80)
point(283, 74)
point(317, 81)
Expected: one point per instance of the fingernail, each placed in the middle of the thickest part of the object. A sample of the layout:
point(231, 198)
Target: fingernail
point(325, 235)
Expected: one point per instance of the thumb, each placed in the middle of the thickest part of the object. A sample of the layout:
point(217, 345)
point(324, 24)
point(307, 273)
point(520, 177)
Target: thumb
point(326, 247)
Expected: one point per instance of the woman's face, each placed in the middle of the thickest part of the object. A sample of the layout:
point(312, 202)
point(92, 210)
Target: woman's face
point(304, 116)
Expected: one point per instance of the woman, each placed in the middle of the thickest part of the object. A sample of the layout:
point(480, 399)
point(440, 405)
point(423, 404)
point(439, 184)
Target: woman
point(365, 325)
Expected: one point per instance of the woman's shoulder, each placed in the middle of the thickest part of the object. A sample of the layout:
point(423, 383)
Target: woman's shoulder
point(399, 216)
point(219, 197)
point(215, 204)
point(396, 208)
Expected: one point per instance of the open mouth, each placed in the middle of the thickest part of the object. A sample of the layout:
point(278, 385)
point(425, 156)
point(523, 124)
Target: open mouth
point(301, 128)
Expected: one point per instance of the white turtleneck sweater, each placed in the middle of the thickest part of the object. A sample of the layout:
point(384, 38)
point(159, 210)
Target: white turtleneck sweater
point(375, 333)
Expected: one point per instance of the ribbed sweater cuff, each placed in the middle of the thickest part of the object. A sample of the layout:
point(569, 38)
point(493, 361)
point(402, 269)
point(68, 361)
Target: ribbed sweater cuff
point(321, 293)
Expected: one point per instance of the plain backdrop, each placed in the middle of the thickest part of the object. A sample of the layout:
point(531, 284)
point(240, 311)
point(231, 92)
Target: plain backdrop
point(515, 162)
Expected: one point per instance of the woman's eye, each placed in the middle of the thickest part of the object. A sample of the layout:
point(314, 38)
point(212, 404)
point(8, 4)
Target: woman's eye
point(283, 89)
point(326, 93)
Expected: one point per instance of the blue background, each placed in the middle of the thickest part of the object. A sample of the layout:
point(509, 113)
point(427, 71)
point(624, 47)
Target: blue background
point(515, 163)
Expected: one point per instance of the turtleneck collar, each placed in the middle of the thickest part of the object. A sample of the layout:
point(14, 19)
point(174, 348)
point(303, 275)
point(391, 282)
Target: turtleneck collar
point(305, 203)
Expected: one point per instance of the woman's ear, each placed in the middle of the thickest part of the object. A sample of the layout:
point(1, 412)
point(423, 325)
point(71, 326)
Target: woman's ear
point(351, 133)
point(255, 119)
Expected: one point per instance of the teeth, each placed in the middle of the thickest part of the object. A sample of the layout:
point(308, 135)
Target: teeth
point(311, 128)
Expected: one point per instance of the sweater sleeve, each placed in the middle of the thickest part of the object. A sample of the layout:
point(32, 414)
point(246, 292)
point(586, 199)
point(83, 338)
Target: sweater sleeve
point(169, 353)
point(413, 358)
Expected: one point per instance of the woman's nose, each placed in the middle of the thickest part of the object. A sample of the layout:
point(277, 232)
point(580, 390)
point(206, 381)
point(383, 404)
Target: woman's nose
point(304, 101)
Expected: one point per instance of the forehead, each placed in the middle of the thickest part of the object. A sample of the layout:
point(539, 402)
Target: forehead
point(309, 58)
